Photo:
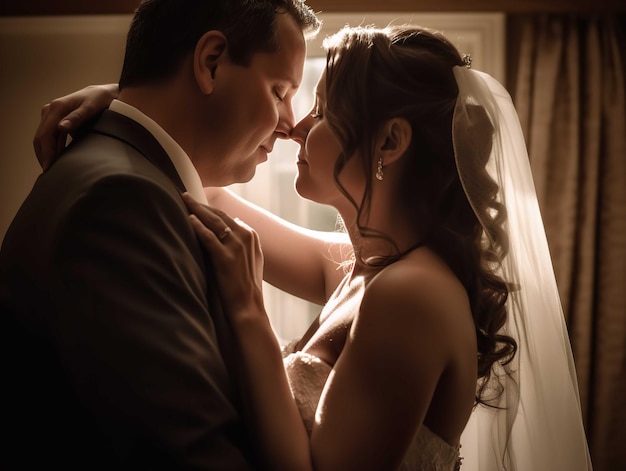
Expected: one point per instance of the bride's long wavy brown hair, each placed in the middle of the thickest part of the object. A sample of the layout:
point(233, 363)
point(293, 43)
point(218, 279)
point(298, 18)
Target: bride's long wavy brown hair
point(374, 75)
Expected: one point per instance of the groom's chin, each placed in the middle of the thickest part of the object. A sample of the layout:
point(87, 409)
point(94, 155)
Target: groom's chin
point(246, 175)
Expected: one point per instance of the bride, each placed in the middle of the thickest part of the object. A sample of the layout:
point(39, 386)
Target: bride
point(441, 343)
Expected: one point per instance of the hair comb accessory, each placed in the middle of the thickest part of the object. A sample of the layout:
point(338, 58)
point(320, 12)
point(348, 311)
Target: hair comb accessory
point(467, 60)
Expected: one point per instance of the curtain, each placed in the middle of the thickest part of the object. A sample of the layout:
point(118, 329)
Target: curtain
point(569, 90)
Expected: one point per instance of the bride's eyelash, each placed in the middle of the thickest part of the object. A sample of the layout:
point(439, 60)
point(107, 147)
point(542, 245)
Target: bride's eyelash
point(317, 112)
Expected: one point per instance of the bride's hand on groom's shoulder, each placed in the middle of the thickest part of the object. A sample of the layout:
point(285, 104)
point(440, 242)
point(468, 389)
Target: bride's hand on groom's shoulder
point(235, 250)
point(63, 116)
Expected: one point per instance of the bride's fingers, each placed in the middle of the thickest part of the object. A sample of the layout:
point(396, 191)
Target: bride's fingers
point(206, 236)
point(209, 217)
point(222, 226)
point(47, 139)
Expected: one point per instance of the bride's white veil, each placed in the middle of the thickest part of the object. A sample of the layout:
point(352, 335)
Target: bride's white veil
point(538, 424)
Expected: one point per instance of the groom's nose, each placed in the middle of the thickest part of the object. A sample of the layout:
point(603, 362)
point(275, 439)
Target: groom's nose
point(286, 121)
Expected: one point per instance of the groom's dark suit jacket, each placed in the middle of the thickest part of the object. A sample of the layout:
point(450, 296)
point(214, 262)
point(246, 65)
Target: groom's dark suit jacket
point(115, 354)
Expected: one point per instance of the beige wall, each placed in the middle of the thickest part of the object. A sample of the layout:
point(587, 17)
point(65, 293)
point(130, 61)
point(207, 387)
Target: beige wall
point(40, 59)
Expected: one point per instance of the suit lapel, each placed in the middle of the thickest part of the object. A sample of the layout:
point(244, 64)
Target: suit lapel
point(121, 127)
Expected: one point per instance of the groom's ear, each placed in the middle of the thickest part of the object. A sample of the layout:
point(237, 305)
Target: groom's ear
point(210, 50)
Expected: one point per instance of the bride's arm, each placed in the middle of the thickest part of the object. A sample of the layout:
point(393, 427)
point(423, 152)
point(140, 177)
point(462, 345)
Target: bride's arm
point(380, 388)
point(66, 114)
point(302, 262)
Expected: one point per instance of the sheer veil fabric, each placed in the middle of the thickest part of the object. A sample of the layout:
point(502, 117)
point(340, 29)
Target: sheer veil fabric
point(537, 424)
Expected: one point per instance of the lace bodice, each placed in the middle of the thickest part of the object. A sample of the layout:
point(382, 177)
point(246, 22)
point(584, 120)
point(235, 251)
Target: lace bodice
point(307, 374)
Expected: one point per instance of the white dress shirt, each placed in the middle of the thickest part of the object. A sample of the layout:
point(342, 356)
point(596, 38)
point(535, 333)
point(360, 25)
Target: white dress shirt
point(187, 172)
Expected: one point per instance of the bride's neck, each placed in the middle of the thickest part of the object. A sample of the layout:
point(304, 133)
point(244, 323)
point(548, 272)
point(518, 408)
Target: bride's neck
point(383, 235)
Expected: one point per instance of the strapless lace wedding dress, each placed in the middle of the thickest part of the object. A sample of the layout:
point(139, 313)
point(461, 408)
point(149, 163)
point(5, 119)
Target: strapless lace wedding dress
point(307, 374)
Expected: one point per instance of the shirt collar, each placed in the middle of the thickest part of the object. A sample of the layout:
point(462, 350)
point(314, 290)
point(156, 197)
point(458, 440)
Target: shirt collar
point(185, 168)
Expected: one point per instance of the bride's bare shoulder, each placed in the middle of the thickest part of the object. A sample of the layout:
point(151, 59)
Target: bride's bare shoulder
point(419, 291)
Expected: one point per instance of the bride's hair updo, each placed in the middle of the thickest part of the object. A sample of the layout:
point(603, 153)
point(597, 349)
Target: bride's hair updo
point(374, 75)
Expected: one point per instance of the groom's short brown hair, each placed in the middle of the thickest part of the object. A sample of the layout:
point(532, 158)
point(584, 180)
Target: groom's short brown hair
point(164, 32)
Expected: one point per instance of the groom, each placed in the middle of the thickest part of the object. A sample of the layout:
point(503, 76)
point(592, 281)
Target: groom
point(116, 352)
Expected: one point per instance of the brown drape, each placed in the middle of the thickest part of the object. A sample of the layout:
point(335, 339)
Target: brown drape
point(570, 94)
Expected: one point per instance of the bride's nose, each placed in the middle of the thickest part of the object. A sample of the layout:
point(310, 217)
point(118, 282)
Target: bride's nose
point(301, 130)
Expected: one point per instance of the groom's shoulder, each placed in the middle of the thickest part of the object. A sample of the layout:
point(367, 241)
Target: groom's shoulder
point(98, 161)
point(101, 173)
point(96, 156)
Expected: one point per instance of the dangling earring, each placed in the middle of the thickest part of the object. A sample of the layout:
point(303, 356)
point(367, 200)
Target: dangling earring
point(379, 171)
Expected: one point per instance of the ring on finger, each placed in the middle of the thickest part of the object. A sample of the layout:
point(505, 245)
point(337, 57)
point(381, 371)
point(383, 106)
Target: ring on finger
point(227, 230)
